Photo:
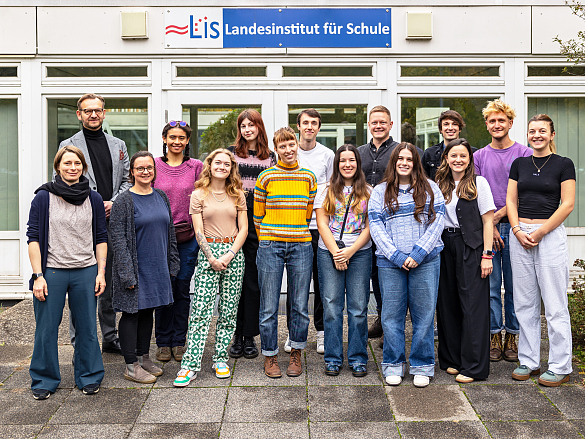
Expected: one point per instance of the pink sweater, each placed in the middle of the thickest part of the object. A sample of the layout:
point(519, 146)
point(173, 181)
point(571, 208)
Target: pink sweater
point(178, 182)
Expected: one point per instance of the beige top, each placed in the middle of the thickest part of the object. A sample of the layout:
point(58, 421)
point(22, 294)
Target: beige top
point(220, 218)
point(70, 234)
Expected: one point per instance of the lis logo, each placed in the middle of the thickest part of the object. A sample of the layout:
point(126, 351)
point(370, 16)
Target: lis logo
point(197, 28)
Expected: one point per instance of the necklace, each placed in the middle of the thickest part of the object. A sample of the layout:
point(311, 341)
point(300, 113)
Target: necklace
point(219, 201)
point(537, 168)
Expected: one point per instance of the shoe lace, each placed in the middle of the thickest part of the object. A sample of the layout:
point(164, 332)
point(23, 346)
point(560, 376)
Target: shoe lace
point(512, 343)
point(295, 357)
point(221, 365)
point(183, 373)
point(272, 361)
point(496, 342)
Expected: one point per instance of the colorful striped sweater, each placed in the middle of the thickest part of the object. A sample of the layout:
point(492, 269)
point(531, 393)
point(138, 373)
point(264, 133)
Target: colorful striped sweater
point(283, 203)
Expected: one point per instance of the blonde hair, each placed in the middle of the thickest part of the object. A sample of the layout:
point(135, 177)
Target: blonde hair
point(233, 182)
point(379, 109)
point(69, 148)
point(283, 134)
point(498, 106)
point(545, 118)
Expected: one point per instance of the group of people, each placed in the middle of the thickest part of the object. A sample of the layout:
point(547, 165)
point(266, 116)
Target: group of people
point(432, 231)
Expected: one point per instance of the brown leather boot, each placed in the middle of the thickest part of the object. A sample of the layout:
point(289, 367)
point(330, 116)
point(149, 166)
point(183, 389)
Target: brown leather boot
point(149, 366)
point(163, 354)
point(295, 368)
point(510, 348)
point(496, 347)
point(376, 331)
point(271, 368)
point(135, 372)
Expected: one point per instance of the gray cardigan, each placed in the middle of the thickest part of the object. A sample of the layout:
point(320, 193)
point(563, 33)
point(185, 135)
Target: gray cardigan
point(123, 241)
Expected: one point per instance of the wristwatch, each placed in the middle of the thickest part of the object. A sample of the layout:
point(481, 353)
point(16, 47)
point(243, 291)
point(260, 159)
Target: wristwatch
point(488, 253)
point(35, 276)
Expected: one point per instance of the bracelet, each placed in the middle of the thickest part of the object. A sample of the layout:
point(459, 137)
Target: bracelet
point(232, 251)
point(486, 257)
point(517, 225)
point(517, 231)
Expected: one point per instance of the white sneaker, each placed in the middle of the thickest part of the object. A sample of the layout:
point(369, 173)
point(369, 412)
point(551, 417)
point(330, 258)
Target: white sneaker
point(393, 380)
point(421, 381)
point(221, 369)
point(184, 377)
point(320, 342)
point(287, 346)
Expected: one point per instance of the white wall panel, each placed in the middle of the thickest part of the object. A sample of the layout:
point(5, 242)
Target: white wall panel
point(550, 21)
point(17, 31)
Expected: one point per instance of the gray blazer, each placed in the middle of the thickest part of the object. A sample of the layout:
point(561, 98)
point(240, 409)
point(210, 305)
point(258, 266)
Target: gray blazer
point(120, 162)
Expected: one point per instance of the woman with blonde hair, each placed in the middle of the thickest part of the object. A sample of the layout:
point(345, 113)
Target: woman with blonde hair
point(218, 209)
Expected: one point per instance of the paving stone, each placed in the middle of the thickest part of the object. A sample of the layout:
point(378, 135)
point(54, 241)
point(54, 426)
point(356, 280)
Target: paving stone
point(15, 355)
point(237, 430)
point(182, 406)
point(510, 402)
point(19, 407)
point(532, 430)
point(114, 377)
point(316, 372)
point(109, 406)
point(442, 429)
point(205, 377)
point(348, 404)
point(579, 424)
point(366, 430)
point(250, 372)
point(110, 431)
point(569, 399)
point(266, 404)
point(410, 403)
point(501, 373)
point(5, 372)
point(175, 431)
point(19, 431)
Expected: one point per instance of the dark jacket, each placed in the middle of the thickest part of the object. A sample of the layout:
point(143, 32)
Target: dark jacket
point(431, 159)
point(374, 161)
point(38, 224)
point(123, 241)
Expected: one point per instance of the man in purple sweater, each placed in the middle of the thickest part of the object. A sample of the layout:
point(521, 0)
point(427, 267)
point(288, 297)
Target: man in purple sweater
point(493, 162)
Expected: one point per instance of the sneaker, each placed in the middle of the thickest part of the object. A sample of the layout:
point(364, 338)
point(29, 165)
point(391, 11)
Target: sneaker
point(287, 346)
point(149, 366)
point(295, 367)
point(463, 379)
point(135, 372)
point(237, 347)
point(40, 394)
point(163, 354)
point(376, 331)
point(452, 371)
point(91, 389)
point(320, 342)
point(178, 352)
point(271, 368)
point(359, 370)
point(510, 351)
point(221, 369)
point(551, 379)
point(393, 380)
point(496, 347)
point(332, 369)
point(421, 381)
point(184, 377)
point(522, 373)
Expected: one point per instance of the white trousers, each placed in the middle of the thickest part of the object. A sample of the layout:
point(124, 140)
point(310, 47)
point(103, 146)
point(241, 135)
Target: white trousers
point(542, 272)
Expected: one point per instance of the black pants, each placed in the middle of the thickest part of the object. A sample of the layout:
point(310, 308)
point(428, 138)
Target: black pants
point(317, 303)
point(249, 306)
point(375, 281)
point(463, 309)
point(135, 331)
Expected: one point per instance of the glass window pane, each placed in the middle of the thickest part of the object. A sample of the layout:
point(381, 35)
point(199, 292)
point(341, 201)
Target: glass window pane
point(8, 72)
point(220, 71)
point(420, 119)
point(126, 118)
point(213, 127)
point(568, 115)
point(409, 71)
point(556, 71)
point(96, 72)
point(326, 71)
point(9, 166)
point(339, 124)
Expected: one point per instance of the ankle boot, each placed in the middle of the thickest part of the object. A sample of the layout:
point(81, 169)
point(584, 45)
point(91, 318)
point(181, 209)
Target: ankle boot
point(376, 331)
point(135, 372)
point(149, 366)
point(250, 349)
point(237, 348)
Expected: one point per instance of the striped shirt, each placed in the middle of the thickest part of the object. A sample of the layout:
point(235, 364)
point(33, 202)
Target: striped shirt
point(283, 203)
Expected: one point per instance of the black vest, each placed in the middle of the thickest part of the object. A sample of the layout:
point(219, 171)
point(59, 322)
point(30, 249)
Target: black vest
point(470, 222)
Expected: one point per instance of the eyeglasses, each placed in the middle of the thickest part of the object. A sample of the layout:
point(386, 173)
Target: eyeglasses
point(89, 112)
point(141, 169)
point(175, 123)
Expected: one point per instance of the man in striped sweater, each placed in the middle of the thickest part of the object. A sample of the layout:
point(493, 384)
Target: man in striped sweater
point(283, 205)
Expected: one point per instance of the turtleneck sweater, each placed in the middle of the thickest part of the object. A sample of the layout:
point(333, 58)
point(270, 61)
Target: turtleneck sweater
point(101, 161)
point(283, 203)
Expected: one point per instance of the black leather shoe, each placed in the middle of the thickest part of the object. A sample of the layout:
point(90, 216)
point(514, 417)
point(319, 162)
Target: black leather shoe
point(237, 348)
point(41, 394)
point(112, 347)
point(250, 349)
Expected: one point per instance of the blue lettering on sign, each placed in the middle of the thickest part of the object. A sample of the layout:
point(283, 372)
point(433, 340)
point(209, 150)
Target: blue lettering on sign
point(210, 30)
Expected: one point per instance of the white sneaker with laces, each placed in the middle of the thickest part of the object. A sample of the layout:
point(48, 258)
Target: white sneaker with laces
point(221, 369)
point(184, 377)
point(320, 342)
point(393, 380)
point(287, 346)
point(421, 381)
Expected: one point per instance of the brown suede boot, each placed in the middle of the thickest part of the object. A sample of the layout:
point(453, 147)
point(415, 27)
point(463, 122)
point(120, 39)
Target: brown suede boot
point(271, 368)
point(376, 331)
point(135, 372)
point(496, 347)
point(295, 367)
point(510, 348)
point(149, 366)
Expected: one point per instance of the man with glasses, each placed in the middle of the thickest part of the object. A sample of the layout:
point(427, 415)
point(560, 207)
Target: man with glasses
point(108, 167)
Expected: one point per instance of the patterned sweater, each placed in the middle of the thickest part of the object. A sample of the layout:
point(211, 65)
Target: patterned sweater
point(400, 235)
point(283, 203)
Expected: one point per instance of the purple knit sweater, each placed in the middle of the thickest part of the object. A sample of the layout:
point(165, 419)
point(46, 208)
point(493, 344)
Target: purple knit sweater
point(178, 182)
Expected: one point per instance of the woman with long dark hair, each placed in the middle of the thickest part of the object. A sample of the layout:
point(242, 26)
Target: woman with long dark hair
point(463, 311)
point(252, 156)
point(344, 260)
point(541, 195)
point(176, 174)
point(406, 213)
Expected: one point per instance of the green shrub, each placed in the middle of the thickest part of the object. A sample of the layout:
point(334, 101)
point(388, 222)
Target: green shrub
point(577, 306)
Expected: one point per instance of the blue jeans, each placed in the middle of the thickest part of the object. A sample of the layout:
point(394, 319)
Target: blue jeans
point(415, 290)
point(335, 286)
point(502, 265)
point(271, 259)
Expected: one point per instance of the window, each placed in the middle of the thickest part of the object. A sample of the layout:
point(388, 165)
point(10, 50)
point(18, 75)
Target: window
point(421, 71)
point(333, 71)
point(8, 72)
point(539, 71)
point(9, 165)
point(220, 71)
point(96, 72)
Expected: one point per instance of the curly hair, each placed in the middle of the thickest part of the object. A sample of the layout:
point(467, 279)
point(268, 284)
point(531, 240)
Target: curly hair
point(233, 182)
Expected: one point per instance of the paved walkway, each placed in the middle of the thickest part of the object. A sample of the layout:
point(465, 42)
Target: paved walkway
point(250, 405)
